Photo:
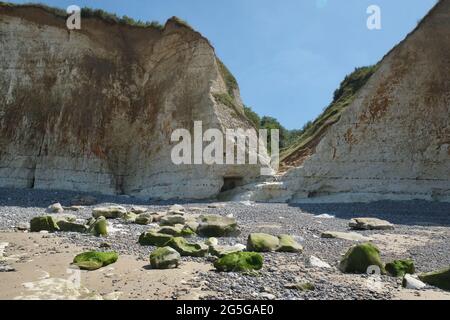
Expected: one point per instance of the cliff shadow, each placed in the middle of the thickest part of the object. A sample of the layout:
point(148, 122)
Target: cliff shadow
point(414, 212)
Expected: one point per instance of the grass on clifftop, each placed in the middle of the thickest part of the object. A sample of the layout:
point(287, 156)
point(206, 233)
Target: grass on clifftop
point(343, 97)
point(91, 13)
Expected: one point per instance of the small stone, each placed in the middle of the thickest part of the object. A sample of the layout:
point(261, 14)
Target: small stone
point(370, 224)
point(23, 226)
point(55, 208)
point(315, 262)
point(350, 236)
point(409, 282)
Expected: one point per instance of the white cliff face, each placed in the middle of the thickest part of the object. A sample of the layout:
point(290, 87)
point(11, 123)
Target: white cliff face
point(393, 141)
point(94, 110)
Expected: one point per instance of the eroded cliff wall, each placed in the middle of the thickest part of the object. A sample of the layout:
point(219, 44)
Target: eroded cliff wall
point(393, 141)
point(94, 109)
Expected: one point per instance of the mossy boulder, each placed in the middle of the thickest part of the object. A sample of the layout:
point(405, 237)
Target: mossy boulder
point(153, 238)
point(217, 226)
point(43, 223)
point(439, 279)
point(165, 258)
point(111, 212)
point(187, 249)
point(144, 219)
point(398, 268)
point(288, 244)
point(261, 242)
point(130, 217)
point(99, 227)
point(171, 220)
point(239, 262)
point(177, 231)
point(67, 226)
point(94, 260)
point(359, 258)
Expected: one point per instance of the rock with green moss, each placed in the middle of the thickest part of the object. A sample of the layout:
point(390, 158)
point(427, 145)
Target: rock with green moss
point(187, 249)
point(288, 244)
point(240, 262)
point(111, 212)
point(165, 258)
point(359, 258)
point(67, 226)
point(220, 251)
point(98, 227)
point(144, 219)
point(171, 220)
point(130, 217)
point(217, 226)
point(177, 231)
point(261, 242)
point(94, 260)
point(398, 268)
point(153, 238)
point(439, 279)
point(43, 223)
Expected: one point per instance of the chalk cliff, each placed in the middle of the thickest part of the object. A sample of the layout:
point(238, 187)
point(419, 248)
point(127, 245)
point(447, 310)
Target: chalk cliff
point(392, 141)
point(94, 109)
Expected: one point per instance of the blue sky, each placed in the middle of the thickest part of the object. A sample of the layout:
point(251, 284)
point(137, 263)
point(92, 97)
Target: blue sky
point(290, 55)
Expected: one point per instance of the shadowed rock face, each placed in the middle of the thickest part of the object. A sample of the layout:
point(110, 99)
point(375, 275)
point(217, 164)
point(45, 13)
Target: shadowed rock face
point(94, 110)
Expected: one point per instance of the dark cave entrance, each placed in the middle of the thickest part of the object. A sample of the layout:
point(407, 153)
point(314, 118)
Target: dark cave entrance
point(230, 183)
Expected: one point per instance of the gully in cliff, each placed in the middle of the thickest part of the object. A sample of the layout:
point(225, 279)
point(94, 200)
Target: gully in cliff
point(245, 141)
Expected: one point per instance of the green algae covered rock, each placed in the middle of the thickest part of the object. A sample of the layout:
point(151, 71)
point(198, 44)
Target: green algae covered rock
point(398, 268)
point(153, 238)
point(439, 279)
point(177, 231)
point(94, 260)
point(359, 258)
point(188, 249)
point(144, 219)
point(99, 227)
point(43, 223)
point(261, 242)
point(164, 258)
point(239, 262)
point(288, 244)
